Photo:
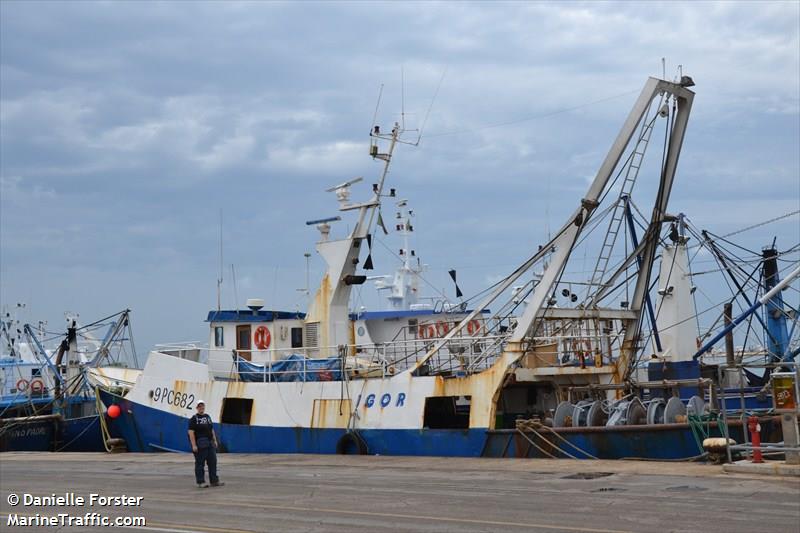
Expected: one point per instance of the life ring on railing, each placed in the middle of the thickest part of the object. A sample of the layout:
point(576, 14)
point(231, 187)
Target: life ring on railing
point(427, 331)
point(262, 338)
point(37, 386)
point(22, 385)
point(442, 328)
point(474, 327)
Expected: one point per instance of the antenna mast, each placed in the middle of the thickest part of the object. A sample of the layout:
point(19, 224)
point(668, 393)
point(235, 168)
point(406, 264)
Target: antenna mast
point(402, 99)
point(219, 279)
point(308, 267)
point(307, 289)
point(235, 290)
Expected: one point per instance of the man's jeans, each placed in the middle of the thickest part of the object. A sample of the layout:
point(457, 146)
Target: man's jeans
point(205, 455)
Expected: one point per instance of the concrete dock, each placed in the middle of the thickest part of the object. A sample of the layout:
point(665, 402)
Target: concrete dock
point(294, 493)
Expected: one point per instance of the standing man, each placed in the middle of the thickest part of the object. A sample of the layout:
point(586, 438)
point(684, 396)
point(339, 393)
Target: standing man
point(204, 446)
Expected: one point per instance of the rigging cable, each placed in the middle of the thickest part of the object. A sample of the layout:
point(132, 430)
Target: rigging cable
point(786, 215)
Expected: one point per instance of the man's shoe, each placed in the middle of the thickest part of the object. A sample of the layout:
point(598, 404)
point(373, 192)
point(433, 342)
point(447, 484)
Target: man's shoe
point(218, 484)
point(202, 485)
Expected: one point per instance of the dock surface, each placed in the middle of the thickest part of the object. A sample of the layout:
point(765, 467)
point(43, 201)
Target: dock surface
point(305, 493)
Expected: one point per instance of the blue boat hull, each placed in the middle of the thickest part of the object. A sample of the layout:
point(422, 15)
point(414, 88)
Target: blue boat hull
point(81, 435)
point(149, 430)
point(33, 436)
point(663, 441)
point(71, 435)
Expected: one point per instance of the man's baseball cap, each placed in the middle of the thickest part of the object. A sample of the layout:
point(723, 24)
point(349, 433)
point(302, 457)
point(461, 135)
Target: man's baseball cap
point(200, 401)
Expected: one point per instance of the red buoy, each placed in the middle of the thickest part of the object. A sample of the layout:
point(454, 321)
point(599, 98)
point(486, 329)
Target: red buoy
point(114, 411)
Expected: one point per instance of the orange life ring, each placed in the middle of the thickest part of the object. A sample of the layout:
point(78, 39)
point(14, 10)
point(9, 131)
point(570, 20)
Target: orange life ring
point(24, 383)
point(427, 331)
point(442, 328)
point(474, 327)
point(262, 337)
point(37, 386)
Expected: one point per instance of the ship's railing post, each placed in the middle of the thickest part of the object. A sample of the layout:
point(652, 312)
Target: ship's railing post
point(725, 432)
point(743, 415)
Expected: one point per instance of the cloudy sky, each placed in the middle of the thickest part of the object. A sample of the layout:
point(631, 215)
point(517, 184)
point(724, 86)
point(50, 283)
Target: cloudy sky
point(125, 127)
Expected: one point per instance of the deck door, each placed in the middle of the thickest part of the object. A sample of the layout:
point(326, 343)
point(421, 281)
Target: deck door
point(243, 341)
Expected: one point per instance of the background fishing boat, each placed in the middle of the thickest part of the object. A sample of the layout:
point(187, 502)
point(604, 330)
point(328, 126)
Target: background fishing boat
point(48, 400)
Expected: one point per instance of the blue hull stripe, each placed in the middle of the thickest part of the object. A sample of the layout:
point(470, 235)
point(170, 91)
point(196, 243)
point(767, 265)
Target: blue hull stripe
point(147, 430)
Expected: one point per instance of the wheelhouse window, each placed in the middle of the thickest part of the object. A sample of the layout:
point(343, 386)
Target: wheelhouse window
point(219, 336)
point(297, 337)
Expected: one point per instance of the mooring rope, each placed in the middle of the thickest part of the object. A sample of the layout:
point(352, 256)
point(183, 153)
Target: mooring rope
point(531, 425)
point(548, 454)
point(100, 413)
point(554, 432)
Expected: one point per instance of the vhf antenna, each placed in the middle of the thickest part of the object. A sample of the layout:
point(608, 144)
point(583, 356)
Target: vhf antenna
point(219, 279)
point(374, 132)
point(307, 289)
point(402, 99)
point(377, 105)
point(235, 289)
point(428, 112)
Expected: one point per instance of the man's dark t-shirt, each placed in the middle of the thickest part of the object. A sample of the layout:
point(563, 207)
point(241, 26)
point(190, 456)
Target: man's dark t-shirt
point(202, 427)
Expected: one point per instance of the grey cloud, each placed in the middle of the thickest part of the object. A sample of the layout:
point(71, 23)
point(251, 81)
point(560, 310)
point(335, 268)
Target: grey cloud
point(124, 127)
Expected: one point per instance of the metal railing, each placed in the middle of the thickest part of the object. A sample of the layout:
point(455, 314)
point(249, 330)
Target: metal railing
point(744, 412)
point(356, 361)
point(464, 354)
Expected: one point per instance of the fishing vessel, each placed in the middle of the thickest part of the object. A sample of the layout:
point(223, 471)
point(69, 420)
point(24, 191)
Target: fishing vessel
point(313, 388)
point(47, 395)
point(678, 399)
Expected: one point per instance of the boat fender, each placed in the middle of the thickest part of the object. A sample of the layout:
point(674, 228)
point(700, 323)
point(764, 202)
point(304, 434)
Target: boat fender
point(37, 386)
point(351, 441)
point(717, 444)
point(22, 385)
point(262, 337)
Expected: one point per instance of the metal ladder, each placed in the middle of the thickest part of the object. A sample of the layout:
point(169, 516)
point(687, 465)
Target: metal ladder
point(614, 226)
